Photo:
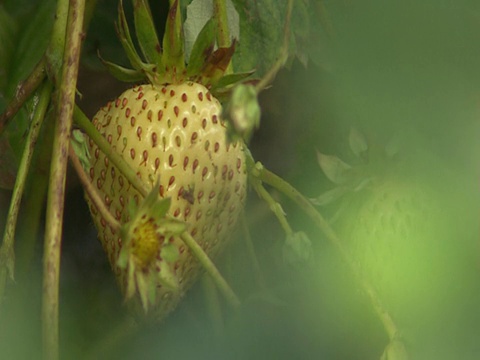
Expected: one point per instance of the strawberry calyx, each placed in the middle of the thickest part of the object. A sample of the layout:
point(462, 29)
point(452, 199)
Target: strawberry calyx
point(146, 254)
point(165, 63)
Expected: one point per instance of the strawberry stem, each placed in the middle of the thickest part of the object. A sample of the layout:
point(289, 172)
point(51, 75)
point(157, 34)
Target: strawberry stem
point(260, 173)
point(211, 269)
point(92, 192)
point(58, 171)
point(24, 90)
point(84, 123)
point(7, 255)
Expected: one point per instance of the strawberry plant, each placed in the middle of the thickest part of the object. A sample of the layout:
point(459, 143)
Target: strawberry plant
point(142, 207)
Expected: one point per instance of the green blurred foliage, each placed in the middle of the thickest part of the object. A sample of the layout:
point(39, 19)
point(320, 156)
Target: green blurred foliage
point(399, 69)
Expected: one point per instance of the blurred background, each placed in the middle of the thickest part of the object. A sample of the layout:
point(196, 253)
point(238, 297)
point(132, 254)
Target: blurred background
point(403, 71)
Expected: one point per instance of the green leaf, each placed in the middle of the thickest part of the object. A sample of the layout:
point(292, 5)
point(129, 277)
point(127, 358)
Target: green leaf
point(199, 12)
point(334, 169)
point(173, 40)
point(146, 33)
point(202, 48)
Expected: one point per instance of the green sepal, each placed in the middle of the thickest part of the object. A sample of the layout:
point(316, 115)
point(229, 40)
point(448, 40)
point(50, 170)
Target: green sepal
point(230, 79)
point(123, 33)
point(217, 65)
point(173, 53)
point(166, 276)
point(202, 49)
point(121, 73)
point(146, 33)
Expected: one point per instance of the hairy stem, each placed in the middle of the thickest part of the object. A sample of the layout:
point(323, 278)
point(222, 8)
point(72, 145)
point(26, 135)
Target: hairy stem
point(58, 171)
point(211, 269)
point(283, 56)
point(7, 255)
point(92, 192)
point(284, 187)
point(84, 123)
point(23, 92)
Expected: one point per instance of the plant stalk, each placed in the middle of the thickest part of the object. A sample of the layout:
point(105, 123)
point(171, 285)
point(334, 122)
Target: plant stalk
point(58, 171)
point(24, 90)
point(84, 123)
point(211, 269)
point(7, 255)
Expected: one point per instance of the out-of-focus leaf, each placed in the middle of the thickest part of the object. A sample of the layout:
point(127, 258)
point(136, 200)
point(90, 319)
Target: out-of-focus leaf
point(7, 46)
point(262, 24)
point(32, 42)
point(334, 168)
point(330, 196)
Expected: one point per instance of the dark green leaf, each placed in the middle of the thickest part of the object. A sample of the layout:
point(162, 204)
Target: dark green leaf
point(146, 33)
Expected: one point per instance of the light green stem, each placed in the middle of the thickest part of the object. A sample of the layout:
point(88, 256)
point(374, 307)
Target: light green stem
point(84, 123)
point(273, 205)
point(211, 269)
point(7, 255)
point(259, 172)
point(58, 171)
point(92, 192)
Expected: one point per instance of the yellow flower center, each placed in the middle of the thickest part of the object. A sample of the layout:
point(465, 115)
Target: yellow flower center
point(146, 243)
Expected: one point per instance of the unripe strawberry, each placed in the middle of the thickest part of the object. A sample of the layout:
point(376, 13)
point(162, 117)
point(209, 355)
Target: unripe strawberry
point(172, 135)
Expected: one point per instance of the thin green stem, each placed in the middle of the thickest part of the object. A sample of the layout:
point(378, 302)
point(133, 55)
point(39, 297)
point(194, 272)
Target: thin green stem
point(7, 255)
point(283, 56)
point(212, 303)
point(211, 269)
point(84, 123)
point(24, 90)
point(92, 192)
point(274, 206)
point(58, 171)
point(266, 176)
